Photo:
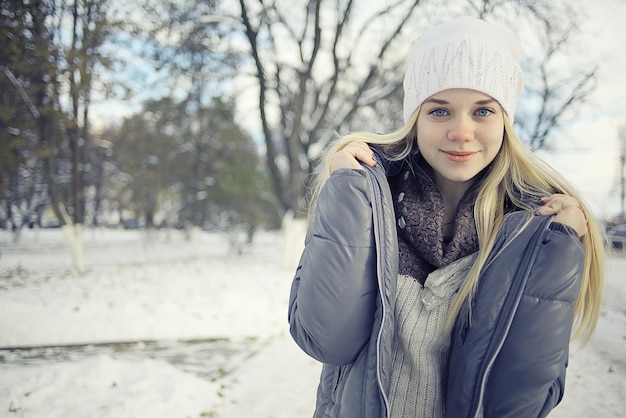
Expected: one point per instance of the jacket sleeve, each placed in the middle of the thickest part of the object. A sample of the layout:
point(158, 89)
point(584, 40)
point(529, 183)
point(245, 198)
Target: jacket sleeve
point(528, 375)
point(333, 294)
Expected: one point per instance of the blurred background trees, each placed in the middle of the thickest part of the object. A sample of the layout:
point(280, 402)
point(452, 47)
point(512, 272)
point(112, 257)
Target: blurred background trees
point(177, 167)
point(226, 106)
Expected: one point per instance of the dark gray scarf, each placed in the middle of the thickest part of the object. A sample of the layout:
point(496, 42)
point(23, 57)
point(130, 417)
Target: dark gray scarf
point(419, 214)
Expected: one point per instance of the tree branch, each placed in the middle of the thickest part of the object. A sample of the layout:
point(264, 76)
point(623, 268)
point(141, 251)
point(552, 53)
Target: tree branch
point(277, 181)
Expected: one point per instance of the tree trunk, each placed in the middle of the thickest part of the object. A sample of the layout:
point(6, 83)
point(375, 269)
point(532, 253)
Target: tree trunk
point(294, 233)
point(74, 234)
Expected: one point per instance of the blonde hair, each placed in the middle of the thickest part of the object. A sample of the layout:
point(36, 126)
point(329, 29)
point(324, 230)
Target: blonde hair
point(395, 145)
point(514, 173)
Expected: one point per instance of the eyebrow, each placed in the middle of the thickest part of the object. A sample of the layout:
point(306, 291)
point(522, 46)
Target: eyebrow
point(445, 102)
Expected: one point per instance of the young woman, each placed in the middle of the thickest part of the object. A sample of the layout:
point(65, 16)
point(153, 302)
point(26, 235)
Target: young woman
point(433, 282)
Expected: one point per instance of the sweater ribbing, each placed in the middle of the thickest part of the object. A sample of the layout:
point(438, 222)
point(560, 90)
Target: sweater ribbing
point(419, 354)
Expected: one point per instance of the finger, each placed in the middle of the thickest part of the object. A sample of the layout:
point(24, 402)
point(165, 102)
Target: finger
point(567, 210)
point(344, 159)
point(545, 211)
point(554, 200)
point(559, 201)
point(362, 152)
point(350, 155)
point(548, 198)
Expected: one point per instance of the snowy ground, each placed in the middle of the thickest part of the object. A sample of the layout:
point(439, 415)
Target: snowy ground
point(200, 330)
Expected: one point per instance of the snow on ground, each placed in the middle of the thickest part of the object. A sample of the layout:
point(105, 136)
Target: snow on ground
point(168, 286)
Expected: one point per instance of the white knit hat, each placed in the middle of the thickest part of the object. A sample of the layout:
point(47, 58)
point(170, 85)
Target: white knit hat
point(464, 53)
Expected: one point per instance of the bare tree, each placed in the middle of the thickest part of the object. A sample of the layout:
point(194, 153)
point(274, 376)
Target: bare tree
point(86, 24)
point(27, 69)
point(555, 88)
point(53, 80)
point(328, 66)
point(316, 66)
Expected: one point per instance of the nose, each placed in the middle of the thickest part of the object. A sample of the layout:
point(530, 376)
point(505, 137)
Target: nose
point(461, 129)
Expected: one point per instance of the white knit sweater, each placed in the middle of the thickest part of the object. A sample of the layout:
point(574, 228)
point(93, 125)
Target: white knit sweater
point(422, 342)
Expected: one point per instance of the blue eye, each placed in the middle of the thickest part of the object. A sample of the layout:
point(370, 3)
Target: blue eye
point(483, 111)
point(438, 112)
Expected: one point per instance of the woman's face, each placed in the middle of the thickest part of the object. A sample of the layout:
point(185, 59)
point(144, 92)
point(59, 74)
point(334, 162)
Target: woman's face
point(459, 132)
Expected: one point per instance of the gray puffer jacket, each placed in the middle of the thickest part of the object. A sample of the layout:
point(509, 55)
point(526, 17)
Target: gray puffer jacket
point(510, 361)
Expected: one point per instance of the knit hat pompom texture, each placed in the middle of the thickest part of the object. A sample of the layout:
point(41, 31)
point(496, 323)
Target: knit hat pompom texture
point(464, 53)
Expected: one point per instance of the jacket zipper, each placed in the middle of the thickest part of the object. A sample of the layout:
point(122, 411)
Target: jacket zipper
point(507, 321)
point(378, 231)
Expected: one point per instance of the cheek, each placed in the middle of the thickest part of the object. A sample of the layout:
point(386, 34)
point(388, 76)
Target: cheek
point(495, 146)
point(424, 135)
point(495, 137)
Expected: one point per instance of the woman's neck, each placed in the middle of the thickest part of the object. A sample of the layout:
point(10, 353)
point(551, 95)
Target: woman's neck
point(451, 193)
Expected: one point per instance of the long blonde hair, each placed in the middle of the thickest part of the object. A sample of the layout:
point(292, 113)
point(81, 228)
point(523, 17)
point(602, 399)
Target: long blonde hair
point(515, 172)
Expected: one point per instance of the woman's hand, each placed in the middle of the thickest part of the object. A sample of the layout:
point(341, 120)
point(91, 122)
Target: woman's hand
point(350, 155)
point(567, 210)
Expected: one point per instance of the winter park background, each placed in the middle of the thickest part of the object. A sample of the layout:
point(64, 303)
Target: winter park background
point(201, 331)
point(166, 323)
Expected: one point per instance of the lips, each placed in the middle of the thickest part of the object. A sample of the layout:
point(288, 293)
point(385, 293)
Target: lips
point(459, 156)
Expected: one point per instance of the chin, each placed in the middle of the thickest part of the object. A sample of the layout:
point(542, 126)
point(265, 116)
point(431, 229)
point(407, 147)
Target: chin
point(461, 178)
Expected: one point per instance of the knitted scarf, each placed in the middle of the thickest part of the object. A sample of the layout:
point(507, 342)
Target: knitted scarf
point(419, 213)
